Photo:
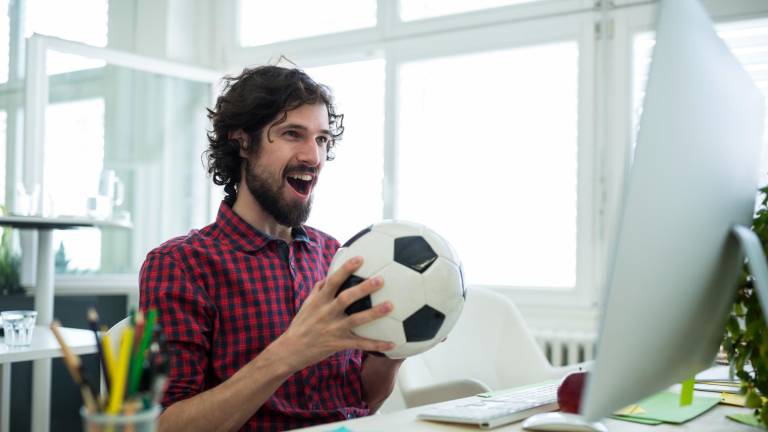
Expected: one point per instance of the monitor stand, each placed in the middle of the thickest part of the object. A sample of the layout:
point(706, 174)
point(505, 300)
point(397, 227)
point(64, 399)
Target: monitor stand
point(753, 249)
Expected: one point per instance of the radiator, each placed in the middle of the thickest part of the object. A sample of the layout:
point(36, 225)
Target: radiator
point(566, 347)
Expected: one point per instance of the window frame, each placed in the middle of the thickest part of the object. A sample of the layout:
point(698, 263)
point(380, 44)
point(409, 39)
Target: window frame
point(471, 32)
point(36, 99)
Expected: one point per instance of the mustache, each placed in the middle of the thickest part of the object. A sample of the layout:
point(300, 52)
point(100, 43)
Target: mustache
point(301, 169)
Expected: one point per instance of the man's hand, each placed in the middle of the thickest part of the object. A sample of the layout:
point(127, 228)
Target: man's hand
point(321, 327)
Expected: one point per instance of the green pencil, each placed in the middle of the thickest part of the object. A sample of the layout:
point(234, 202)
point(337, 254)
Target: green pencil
point(138, 355)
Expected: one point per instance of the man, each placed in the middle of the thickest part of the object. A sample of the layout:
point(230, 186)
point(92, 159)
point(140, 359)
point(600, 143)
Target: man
point(257, 336)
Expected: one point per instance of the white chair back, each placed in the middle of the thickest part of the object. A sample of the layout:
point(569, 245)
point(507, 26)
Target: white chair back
point(490, 348)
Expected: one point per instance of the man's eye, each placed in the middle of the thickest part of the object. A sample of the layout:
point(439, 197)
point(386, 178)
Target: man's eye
point(322, 140)
point(292, 134)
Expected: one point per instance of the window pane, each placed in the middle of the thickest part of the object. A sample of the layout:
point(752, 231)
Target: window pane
point(3, 153)
point(748, 41)
point(83, 21)
point(419, 9)
point(144, 131)
point(274, 21)
point(5, 33)
point(80, 125)
point(349, 195)
point(492, 165)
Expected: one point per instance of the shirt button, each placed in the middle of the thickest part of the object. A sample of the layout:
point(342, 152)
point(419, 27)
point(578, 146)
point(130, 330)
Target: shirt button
point(350, 415)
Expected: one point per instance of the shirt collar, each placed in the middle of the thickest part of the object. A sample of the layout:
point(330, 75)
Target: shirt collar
point(244, 236)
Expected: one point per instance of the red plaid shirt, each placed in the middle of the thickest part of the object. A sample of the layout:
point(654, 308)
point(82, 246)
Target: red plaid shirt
point(227, 291)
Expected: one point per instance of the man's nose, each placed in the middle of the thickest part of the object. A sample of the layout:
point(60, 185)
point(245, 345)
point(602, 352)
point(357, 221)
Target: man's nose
point(311, 153)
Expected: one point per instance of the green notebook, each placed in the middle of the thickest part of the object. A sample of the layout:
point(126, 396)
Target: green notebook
point(629, 418)
point(665, 407)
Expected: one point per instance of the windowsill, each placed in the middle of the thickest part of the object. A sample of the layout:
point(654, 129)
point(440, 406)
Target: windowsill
point(97, 284)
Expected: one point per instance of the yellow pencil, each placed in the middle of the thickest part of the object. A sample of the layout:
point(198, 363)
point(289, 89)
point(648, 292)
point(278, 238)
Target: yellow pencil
point(121, 373)
point(109, 357)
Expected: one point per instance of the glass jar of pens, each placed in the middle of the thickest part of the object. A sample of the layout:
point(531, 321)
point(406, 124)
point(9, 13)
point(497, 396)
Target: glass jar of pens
point(134, 367)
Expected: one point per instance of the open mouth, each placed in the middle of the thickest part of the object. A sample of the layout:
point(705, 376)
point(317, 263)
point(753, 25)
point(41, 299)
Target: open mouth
point(301, 183)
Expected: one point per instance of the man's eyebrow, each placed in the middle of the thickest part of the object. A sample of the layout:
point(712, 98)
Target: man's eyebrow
point(302, 128)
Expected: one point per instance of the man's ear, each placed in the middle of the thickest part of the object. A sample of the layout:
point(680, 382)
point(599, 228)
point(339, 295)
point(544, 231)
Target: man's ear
point(242, 138)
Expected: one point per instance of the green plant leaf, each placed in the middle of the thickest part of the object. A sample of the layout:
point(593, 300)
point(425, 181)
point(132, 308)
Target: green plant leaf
point(753, 399)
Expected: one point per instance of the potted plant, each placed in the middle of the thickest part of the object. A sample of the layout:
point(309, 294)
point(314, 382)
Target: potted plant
point(746, 338)
point(9, 263)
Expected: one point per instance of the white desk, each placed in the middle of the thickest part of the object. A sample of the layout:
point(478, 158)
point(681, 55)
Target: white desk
point(41, 369)
point(405, 421)
point(44, 347)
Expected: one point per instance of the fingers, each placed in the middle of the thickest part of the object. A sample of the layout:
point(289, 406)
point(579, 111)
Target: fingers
point(319, 285)
point(351, 295)
point(335, 279)
point(368, 315)
point(364, 344)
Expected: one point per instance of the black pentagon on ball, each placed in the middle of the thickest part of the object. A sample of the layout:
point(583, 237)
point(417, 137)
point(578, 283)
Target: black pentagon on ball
point(360, 304)
point(354, 238)
point(414, 252)
point(423, 324)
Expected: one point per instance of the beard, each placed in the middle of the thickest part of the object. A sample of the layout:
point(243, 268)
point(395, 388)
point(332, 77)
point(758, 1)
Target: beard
point(268, 193)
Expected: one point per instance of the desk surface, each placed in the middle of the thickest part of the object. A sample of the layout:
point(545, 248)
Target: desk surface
point(44, 345)
point(405, 421)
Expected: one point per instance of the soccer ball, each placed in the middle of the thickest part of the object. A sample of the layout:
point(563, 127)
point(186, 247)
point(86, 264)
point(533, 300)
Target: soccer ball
point(422, 278)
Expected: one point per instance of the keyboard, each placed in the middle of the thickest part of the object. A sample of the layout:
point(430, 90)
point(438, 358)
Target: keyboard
point(499, 409)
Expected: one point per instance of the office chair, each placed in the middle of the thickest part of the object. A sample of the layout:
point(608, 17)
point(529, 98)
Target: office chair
point(490, 348)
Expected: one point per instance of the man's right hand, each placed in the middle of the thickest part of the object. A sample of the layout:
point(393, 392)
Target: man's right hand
point(321, 327)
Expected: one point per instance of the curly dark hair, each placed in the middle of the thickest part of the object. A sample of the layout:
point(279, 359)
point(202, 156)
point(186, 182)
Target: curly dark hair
point(251, 101)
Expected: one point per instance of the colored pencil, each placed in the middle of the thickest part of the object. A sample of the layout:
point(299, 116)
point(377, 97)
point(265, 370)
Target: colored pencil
point(138, 356)
point(119, 379)
point(93, 322)
point(75, 368)
point(109, 356)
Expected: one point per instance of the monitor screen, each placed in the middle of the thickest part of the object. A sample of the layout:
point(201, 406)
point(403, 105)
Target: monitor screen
point(674, 264)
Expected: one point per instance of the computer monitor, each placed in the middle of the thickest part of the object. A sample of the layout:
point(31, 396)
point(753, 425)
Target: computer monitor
point(674, 264)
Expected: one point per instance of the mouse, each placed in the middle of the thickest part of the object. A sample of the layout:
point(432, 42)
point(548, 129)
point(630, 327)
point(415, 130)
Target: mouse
point(563, 422)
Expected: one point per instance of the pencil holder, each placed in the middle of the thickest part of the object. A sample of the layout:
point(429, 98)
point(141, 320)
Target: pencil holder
point(142, 421)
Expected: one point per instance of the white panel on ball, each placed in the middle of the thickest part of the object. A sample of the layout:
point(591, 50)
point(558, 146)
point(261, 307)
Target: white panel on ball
point(452, 313)
point(441, 288)
point(377, 250)
point(340, 258)
point(440, 245)
point(410, 348)
point(402, 286)
point(398, 228)
point(386, 329)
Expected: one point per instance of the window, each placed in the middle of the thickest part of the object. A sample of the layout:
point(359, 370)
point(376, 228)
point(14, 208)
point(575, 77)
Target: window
point(5, 33)
point(56, 18)
point(419, 9)
point(493, 167)
point(267, 22)
point(125, 143)
point(748, 41)
point(3, 153)
point(73, 159)
point(498, 97)
point(349, 193)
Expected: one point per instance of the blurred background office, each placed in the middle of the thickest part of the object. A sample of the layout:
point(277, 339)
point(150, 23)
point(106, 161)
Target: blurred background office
point(505, 125)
